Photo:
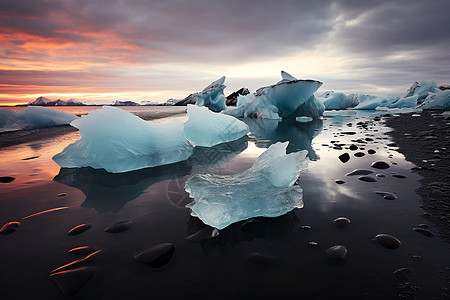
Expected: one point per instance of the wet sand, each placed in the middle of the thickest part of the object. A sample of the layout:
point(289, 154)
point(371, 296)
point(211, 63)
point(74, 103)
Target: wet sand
point(425, 140)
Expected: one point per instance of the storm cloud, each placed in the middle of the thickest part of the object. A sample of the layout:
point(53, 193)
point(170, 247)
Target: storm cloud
point(179, 46)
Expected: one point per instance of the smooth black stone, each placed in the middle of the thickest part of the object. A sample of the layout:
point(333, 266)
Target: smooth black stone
point(72, 281)
point(359, 172)
point(32, 157)
point(337, 252)
point(380, 165)
point(204, 234)
point(6, 179)
point(156, 256)
point(341, 221)
point(403, 273)
point(423, 226)
point(339, 181)
point(83, 250)
point(348, 132)
point(9, 228)
point(392, 145)
point(387, 195)
point(368, 178)
point(119, 227)
point(78, 262)
point(344, 157)
point(371, 151)
point(359, 154)
point(260, 259)
point(79, 229)
point(387, 241)
point(398, 176)
point(423, 231)
point(353, 147)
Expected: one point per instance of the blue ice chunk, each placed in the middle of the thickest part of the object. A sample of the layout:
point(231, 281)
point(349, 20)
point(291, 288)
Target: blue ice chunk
point(422, 90)
point(406, 102)
point(289, 98)
point(374, 102)
point(212, 96)
point(242, 99)
point(303, 119)
point(333, 100)
point(118, 141)
point(439, 100)
point(206, 128)
point(33, 117)
point(266, 189)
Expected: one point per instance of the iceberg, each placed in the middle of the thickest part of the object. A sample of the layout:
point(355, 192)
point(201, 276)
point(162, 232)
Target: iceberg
point(372, 102)
point(289, 98)
point(266, 189)
point(422, 90)
point(333, 100)
point(242, 99)
point(118, 141)
point(33, 117)
point(406, 102)
point(206, 128)
point(212, 96)
point(439, 100)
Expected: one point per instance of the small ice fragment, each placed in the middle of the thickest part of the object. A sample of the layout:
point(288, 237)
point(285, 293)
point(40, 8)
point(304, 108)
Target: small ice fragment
point(303, 119)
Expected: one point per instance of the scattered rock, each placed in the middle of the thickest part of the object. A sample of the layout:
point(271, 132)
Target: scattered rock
point(341, 221)
point(359, 154)
point(380, 165)
point(337, 252)
point(398, 176)
point(62, 195)
point(344, 157)
point(119, 227)
point(387, 241)
point(82, 250)
point(6, 179)
point(260, 259)
point(31, 157)
point(423, 226)
point(359, 172)
point(71, 281)
point(9, 227)
point(368, 178)
point(313, 243)
point(353, 147)
point(79, 229)
point(338, 181)
point(423, 231)
point(371, 151)
point(387, 195)
point(403, 273)
point(156, 256)
point(78, 262)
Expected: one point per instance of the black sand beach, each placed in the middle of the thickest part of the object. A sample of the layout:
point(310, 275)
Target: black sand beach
point(424, 141)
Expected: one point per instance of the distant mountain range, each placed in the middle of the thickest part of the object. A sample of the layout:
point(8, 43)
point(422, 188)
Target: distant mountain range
point(42, 101)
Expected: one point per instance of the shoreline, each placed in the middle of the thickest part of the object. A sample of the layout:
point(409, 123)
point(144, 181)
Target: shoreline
point(424, 141)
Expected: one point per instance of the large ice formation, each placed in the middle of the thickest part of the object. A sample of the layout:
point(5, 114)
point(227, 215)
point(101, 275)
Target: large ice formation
point(206, 128)
point(440, 100)
point(33, 117)
point(212, 96)
point(118, 141)
point(266, 189)
point(373, 102)
point(333, 100)
point(289, 98)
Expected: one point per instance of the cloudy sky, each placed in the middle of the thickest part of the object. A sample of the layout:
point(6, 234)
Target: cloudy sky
point(155, 50)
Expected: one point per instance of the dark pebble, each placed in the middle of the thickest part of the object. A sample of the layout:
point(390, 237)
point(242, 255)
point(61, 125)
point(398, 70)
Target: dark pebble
point(260, 259)
point(203, 234)
point(359, 172)
point(368, 178)
point(79, 229)
point(6, 179)
point(31, 157)
point(337, 252)
point(359, 154)
point(78, 262)
point(62, 195)
point(423, 226)
point(339, 181)
point(423, 231)
point(341, 221)
point(9, 227)
point(371, 151)
point(392, 145)
point(119, 227)
point(387, 195)
point(71, 281)
point(344, 157)
point(398, 176)
point(380, 175)
point(156, 256)
point(353, 147)
point(387, 241)
point(380, 165)
point(403, 273)
point(83, 250)
point(348, 132)
point(369, 139)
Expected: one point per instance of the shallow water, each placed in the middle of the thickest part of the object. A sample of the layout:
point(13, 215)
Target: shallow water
point(153, 199)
